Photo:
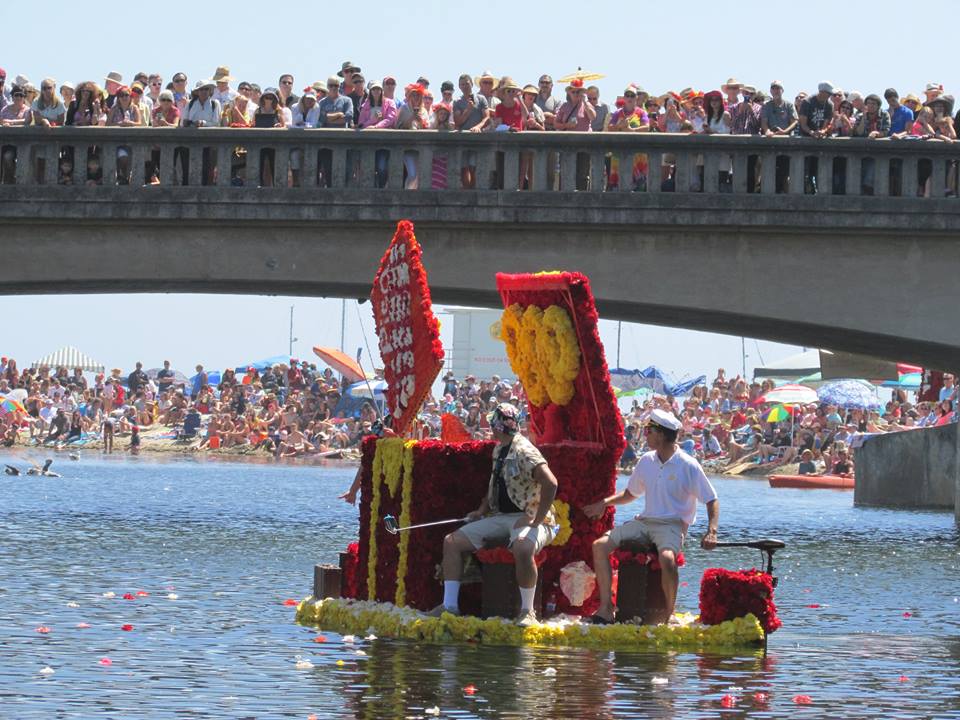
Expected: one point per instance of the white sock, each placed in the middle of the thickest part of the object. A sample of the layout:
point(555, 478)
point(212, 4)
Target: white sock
point(526, 598)
point(451, 594)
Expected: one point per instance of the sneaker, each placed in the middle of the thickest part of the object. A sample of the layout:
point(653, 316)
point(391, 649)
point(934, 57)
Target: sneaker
point(527, 618)
point(441, 609)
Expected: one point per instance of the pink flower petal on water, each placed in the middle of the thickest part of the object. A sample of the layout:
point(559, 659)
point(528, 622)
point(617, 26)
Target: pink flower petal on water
point(728, 701)
point(106, 661)
point(142, 593)
point(290, 602)
point(128, 596)
point(814, 605)
point(903, 678)
point(470, 689)
point(760, 698)
point(127, 627)
point(802, 699)
point(43, 629)
point(907, 614)
point(83, 626)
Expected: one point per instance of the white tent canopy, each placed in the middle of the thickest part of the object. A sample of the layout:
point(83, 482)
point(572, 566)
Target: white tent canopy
point(69, 357)
point(791, 368)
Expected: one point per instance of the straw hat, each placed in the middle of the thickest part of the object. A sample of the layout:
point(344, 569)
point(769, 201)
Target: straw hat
point(114, 76)
point(486, 75)
point(510, 84)
point(205, 84)
point(531, 89)
point(731, 83)
point(222, 74)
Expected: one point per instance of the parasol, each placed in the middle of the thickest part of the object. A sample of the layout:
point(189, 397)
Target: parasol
point(850, 394)
point(340, 362)
point(790, 394)
point(9, 405)
point(583, 75)
point(778, 413)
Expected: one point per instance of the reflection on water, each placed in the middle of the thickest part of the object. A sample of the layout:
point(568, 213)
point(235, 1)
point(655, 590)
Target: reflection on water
point(232, 541)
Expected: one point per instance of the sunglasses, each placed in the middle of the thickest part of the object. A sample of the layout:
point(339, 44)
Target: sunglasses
point(124, 95)
point(286, 82)
point(358, 82)
point(156, 83)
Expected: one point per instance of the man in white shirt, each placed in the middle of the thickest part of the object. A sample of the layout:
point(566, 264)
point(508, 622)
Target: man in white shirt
point(671, 482)
point(223, 94)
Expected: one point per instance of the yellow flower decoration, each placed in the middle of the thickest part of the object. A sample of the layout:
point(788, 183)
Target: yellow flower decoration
point(543, 350)
point(386, 620)
point(561, 511)
point(559, 352)
point(392, 466)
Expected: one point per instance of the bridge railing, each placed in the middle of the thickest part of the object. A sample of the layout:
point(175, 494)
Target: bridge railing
point(284, 160)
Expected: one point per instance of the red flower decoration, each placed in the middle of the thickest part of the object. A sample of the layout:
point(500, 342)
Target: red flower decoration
point(760, 698)
point(106, 661)
point(728, 701)
point(727, 594)
point(142, 593)
point(908, 614)
point(320, 639)
point(470, 689)
point(802, 699)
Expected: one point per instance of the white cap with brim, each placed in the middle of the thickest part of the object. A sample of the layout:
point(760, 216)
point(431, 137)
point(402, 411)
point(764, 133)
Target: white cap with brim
point(665, 419)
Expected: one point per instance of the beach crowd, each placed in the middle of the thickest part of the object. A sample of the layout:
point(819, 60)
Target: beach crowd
point(484, 103)
point(295, 409)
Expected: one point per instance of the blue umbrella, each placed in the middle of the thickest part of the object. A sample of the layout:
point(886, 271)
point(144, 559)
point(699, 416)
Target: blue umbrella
point(849, 394)
point(262, 365)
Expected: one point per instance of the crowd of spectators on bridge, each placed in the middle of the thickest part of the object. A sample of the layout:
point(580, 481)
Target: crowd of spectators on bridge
point(485, 103)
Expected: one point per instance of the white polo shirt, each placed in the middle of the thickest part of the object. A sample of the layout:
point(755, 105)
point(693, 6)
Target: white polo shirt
point(670, 489)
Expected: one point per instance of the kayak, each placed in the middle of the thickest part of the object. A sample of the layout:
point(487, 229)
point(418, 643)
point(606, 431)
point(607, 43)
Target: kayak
point(834, 482)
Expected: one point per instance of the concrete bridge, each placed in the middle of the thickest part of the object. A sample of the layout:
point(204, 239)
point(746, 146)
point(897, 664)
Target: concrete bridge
point(874, 274)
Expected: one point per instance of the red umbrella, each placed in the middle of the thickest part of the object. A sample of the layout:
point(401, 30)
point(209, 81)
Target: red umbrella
point(340, 362)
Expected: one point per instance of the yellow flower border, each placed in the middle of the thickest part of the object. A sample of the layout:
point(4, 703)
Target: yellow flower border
point(543, 351)
point(561, 512)
point(386, 620)
point(393, 468)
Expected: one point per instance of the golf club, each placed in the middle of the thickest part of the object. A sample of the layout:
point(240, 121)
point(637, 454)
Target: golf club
point(390, 523)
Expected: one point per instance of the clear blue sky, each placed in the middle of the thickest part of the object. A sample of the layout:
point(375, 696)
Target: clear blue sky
point(661, 46)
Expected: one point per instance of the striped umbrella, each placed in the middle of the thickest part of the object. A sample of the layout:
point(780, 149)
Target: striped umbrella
point(790, 394)
point(9, 405)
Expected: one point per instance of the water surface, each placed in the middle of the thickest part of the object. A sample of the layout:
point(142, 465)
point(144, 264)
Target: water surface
point(233, 540)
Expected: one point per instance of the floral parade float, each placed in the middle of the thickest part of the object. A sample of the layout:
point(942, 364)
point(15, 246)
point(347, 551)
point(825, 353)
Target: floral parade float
point(390, 576)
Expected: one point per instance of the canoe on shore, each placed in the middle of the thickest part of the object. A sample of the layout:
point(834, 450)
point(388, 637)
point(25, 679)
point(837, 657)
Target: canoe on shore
point(833, 482)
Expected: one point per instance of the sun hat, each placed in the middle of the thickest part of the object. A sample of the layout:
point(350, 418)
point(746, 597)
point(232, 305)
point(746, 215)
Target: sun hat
point(945, 99)
point(665, 419)
point(510, 84)
point(347, 65)
point(271, 91)
point(67, 84)
point(486, 75)
point(911, 98)
point(114, 76)
point(576, 85)
point(730, 83)
point(222, 74)
point(530, 89)
point(932, 87)
point(204, 84)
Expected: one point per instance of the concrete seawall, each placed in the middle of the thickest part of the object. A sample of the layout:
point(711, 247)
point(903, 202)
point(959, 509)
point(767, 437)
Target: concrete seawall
point(912, 469)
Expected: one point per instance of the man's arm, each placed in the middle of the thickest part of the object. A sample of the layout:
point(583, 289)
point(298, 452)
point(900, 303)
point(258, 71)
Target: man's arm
point(709, 541)
point(548, 491)
point(595, 510)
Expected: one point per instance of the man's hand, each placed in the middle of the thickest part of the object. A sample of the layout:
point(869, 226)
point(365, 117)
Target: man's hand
point(595, 510)
point(709, 541)
point(473, 515)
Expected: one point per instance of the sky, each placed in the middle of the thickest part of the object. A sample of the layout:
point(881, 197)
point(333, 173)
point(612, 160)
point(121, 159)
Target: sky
point(661, 46)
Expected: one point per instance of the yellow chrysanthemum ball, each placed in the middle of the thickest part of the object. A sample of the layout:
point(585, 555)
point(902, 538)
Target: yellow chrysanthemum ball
point(561, 511)
point(559, 353)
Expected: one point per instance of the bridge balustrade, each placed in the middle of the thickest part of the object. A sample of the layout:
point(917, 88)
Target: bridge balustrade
point(297, 160)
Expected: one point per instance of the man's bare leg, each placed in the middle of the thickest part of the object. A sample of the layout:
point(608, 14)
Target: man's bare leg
point(669, 578)
point(602, 547)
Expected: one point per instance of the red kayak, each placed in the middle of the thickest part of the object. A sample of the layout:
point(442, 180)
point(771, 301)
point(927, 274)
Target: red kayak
point(834, 482)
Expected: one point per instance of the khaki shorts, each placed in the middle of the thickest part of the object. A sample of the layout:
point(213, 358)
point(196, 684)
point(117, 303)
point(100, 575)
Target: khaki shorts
point(666, 534)
point(501, 526)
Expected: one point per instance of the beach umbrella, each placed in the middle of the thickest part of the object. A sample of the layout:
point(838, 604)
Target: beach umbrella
point(850, 394)
point(9, 405)
point(178, 377)
point(583, 75)
point(790, 394)
point(340, 362)
point(362, 389)
point(778, 413)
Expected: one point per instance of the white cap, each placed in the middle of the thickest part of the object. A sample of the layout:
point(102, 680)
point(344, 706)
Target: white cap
point(665, 419)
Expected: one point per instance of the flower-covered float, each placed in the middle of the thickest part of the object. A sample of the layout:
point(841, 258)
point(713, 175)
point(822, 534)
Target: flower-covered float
point(387, 579)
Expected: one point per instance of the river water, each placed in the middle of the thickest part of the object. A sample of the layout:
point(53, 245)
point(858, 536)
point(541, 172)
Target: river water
point(232, 541)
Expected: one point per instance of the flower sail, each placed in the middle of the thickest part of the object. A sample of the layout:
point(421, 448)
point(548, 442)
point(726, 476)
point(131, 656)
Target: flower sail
point(408, 331)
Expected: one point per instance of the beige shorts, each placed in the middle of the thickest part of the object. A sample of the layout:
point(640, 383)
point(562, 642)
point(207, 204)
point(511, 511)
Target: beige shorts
point(501, 526)
point(666, 534)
